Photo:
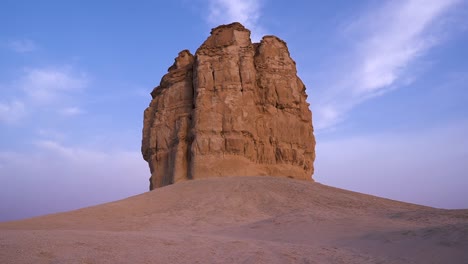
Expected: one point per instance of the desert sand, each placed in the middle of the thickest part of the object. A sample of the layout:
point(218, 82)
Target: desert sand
point(242, 220)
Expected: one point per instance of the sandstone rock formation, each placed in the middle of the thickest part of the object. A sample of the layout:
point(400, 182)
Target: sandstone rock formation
point(236, 108)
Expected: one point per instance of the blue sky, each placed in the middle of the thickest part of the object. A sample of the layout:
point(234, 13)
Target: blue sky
point(387, 84)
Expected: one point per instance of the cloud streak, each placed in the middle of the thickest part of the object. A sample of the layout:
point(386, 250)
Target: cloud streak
point(22, 45)
point(387, 42)
point(46, 85)
point(71, 111)
point(247, 12)
point(12, 112)
point(38, 87)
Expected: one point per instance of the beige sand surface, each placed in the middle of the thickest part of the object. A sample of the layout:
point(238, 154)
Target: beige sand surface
point(242, 220)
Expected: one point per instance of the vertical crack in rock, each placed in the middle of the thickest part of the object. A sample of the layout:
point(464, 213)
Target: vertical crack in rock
point(236, 108)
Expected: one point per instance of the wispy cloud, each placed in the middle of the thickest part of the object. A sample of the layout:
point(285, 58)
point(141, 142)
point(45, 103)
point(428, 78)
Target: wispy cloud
point(22, 45)
point(247, 12)
point(12, 112)
point(387, 41)
point(56, 148)
point(56, 88)
point(46, 85)
point(71, 111)
point(51, 134)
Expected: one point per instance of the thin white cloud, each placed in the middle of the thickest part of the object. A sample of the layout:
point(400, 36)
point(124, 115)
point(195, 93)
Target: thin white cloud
point(56, 88)
point(388, 40)
point(71, 111)
point(12, 112)
point(22, 45)
point(55, 147)
point(51, 134)
point(52, 147)
point(46, 85)
point(247, 12)
point(405, 38)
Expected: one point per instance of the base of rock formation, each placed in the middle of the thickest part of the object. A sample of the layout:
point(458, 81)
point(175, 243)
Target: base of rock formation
point(242, 220)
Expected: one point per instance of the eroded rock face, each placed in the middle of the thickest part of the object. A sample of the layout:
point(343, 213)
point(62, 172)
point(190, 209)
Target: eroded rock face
point(236, 108)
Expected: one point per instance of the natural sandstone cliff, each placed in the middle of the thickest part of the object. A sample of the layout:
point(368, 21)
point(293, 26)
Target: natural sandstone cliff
point(236, 108)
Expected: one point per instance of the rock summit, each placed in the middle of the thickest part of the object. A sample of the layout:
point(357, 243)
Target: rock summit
point(235, 108)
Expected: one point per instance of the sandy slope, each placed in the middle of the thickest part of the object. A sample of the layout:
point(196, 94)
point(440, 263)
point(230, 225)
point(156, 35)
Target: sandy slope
point(242, 220)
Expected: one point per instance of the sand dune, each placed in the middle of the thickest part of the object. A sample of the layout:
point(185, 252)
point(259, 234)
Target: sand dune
point(242, 220)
